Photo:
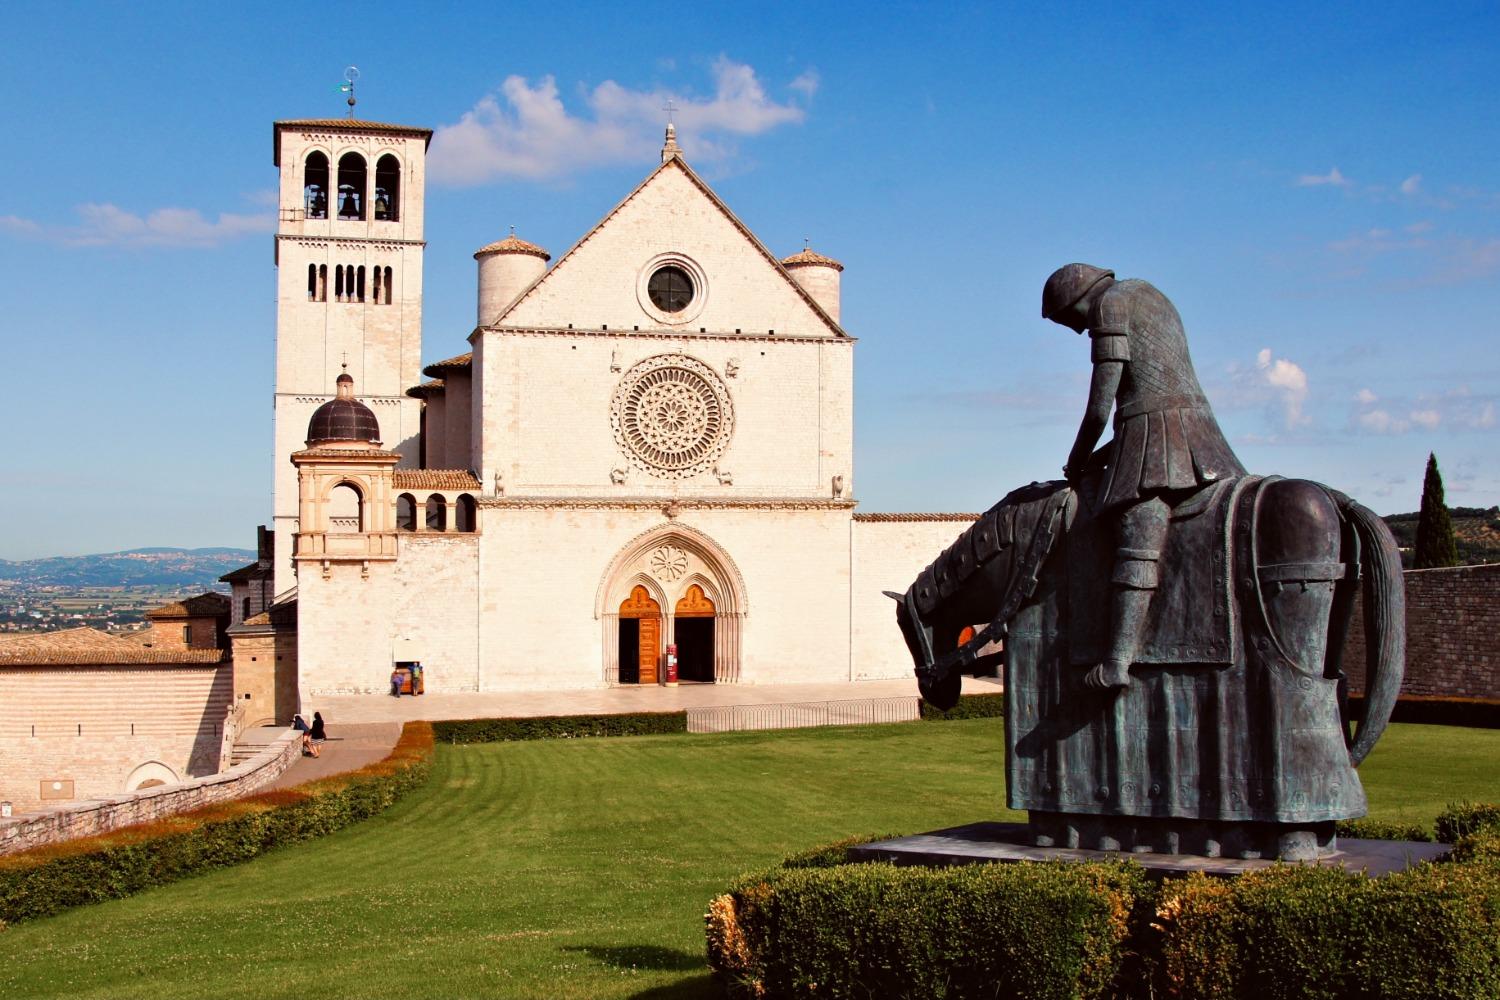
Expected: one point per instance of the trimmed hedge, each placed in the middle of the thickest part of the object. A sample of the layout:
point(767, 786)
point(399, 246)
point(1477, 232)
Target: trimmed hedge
point(48, 879)
point(970, 706)
point(871, 930)
point(558, 727)
point(1475, 713)
point(1379, 829)
point(822, 926)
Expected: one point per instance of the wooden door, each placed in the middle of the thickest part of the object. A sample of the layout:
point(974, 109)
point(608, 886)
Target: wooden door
point(650, 641)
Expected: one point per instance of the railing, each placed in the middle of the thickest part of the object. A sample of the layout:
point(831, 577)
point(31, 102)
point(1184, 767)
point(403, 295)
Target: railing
point(802, 715)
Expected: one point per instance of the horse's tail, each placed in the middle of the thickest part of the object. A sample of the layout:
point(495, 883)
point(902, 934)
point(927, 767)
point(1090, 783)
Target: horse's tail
point(1384, 595)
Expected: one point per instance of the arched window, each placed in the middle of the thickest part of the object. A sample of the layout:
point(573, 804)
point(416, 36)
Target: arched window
point(315, 186)
point(387, 286)
point(312, 282)
point(322, 282)
point(387, 189)
point(437, 513)
point(375, 275)
point(352, 173)
point(338, 282)
point(406, 512)
point(359, 285)
point(345, 510)
point(465, 515)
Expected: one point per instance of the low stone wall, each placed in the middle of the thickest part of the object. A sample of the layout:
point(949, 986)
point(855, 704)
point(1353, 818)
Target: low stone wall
point(1452, 634)
point(52, 825)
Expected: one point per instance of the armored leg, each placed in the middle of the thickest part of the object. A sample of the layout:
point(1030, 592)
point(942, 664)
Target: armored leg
point(1143, 532)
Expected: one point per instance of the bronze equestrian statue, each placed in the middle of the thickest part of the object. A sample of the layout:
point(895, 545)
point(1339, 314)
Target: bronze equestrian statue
point(1171, 626)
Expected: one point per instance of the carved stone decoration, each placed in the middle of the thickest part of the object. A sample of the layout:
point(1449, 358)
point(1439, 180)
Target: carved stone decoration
point(732, 368)
point(724, 476)
point(838, 486)
point(672, 416)
point(617, 476)
point(614, 360)
point(499, 483)
point(672, 511)
point(668, 563)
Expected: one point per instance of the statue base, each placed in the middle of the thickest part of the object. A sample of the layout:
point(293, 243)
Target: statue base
point(991, 843)
point(1208, 838)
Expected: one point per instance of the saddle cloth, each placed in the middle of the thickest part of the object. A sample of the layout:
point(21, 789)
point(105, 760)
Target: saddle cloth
point(1192, 617)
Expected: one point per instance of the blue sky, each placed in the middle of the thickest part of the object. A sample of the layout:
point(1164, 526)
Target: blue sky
point(1318, 189)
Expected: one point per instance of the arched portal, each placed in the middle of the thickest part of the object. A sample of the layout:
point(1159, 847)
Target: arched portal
point(701, 596)
point(639, 646)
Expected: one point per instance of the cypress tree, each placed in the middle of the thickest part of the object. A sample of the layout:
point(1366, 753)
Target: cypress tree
point(1435, 545)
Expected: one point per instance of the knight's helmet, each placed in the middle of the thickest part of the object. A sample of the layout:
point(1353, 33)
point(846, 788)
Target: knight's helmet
point(1068, 284)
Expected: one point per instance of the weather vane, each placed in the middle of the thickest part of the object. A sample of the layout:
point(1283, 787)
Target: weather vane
point(670, 108)
point(351, 74)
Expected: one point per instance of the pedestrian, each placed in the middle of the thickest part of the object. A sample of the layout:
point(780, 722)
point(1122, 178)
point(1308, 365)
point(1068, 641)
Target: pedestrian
point(396, 682)
point(300, 726)
point(416, 678)
point(317, 734)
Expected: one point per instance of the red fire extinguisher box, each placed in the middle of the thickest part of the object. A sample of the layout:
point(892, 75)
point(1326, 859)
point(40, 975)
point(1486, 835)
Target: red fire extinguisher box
point(671, 679)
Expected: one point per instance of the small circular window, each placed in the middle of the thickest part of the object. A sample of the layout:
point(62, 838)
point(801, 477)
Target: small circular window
point(671, 289)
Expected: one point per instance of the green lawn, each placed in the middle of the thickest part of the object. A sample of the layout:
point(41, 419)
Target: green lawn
point(574, 868)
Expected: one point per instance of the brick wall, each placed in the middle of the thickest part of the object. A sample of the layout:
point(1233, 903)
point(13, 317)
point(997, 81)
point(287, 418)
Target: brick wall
point(1452, 634)
point(70, 820)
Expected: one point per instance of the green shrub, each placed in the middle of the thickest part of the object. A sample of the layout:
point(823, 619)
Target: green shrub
point(1379, 829)
point(835, 853)
point(1298, 932)
point(970, 706)
point(555, 727)
point(1463, 818)
point(1483, 848)
point(48, 879)
point(1039, 931)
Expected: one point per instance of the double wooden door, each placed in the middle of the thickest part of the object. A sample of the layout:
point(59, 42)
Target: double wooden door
point(646, 613)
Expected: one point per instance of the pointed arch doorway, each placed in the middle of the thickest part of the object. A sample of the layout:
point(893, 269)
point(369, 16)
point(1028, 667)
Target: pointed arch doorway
point(693, 632)
point(640, 637)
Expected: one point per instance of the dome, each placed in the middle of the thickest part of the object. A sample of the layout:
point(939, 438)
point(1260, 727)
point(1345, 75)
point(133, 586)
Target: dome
point(343, 418)
point(808, 257)
point(511, 244)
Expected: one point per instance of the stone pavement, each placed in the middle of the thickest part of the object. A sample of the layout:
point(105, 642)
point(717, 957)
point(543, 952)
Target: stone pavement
point(347, 748)
point(343, 710)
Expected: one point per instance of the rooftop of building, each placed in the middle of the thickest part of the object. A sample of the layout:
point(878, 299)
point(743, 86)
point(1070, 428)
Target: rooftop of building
point(512, 244)
point(205, 605)
point(342, 125)
point(435, 479)
point(85, 646)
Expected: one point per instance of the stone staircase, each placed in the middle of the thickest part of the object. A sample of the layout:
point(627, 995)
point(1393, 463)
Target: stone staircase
point(253, 741)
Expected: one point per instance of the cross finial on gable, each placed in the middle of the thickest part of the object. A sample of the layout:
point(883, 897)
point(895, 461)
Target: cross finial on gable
point(669, 108)
point(670, 148)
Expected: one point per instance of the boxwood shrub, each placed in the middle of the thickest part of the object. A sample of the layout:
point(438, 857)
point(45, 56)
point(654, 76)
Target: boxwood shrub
point(48, 879)
point(970, 706)
point(1464, 818)
point(556, 727)
point(1378, 829)
point(876, 930)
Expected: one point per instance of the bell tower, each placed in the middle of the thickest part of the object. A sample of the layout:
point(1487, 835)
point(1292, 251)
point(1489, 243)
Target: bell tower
point(348, 287)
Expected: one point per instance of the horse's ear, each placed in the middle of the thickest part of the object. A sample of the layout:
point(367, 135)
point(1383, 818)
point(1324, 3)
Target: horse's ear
point(898, 598)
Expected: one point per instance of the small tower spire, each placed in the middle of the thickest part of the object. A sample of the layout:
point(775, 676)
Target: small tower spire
point(351, 73)
point(670, 148)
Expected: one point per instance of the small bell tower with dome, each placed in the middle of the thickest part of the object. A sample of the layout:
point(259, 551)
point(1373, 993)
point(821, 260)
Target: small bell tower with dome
point(349, 248)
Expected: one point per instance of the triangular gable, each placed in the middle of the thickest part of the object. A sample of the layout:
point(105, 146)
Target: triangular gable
point(546, 301)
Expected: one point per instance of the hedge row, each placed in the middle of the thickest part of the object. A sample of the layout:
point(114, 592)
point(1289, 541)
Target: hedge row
point(970, 706)
point(1475, 713)
point(558, 727)
point(48, 879)
point(822, 927)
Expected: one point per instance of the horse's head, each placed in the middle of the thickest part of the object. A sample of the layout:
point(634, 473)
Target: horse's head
point(943, 691)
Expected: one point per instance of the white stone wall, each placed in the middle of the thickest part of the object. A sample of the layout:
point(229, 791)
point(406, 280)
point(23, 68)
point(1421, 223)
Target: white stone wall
point(888, 555)
point(354, 625)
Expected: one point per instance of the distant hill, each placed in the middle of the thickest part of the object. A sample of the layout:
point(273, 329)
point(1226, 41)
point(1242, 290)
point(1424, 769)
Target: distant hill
point(1476, 530)
point(187, 569)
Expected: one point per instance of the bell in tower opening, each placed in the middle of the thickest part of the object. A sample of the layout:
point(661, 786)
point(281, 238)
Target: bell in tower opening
point(315, 186)
point(352, 186)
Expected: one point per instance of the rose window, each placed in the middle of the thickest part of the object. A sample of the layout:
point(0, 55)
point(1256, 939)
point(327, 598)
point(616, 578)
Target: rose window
point(672, 416)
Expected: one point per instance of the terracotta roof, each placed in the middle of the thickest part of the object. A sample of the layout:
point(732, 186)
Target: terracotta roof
point(916, 517)
point(204, 605)
point(512, 245)
point(435, 479)
point(363, 454)
point(808, 257)
point(250, 571)
point(426, 389)
point(91, 647)
point(341, 125)
point(281, 615)
point(436, 369)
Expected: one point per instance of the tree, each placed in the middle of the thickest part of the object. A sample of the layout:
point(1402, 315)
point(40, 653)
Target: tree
point(1435, 545)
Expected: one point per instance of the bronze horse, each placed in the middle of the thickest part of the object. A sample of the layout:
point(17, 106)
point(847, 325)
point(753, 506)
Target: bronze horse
point(1233, 737)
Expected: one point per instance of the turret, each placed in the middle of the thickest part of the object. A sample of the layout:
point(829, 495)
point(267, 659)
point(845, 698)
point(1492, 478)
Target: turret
point(506, 269)
point(819, 277)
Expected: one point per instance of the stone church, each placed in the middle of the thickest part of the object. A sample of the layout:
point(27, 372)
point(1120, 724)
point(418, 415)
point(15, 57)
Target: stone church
point(644, 449)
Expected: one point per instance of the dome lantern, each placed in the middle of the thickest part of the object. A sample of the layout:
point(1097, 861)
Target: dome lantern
point(343, 420)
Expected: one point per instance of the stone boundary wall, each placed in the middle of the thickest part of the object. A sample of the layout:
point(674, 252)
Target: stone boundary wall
point(1452, 634)
point(69, 821)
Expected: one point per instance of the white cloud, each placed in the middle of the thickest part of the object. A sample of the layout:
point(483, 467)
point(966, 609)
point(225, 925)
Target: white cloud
point(1412, 184)
point(1365, 396)
point(1333, 177)
point(526, 131)
point(109, 225)
point(1427, 419)
point(1381, 422)
point(1288, 382)
point(1457, 409)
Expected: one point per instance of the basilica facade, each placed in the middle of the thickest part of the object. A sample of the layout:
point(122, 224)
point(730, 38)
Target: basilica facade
point(643, 459)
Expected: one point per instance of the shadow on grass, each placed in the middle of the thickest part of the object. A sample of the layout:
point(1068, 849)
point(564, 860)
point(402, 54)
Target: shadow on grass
point(694, 988)
point(643, 956)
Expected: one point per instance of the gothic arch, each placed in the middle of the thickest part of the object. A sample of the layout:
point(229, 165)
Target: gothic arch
point(149, 775)
point(729, 591)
